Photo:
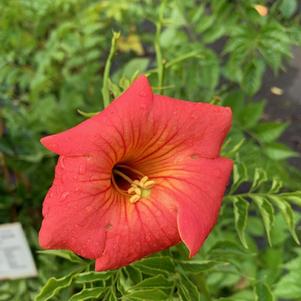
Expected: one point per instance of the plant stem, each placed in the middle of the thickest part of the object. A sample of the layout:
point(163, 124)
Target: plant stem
point(180, 59)
point(106, 77)
point(159, 57)
point(252, 195)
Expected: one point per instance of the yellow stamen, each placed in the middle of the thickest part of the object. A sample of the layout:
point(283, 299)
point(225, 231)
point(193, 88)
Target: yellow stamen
point(149, 184)
point(138, 188)
point(134, 198)
point(131, 190)
point(136, 182)
point(143, 180)
point(138, 191)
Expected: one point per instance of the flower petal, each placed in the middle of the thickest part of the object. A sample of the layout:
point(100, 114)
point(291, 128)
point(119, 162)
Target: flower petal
point(123, 117)
point(197, 186)
point(176, 128)
point(75, 208)
point(202, 127)
point(139, 230)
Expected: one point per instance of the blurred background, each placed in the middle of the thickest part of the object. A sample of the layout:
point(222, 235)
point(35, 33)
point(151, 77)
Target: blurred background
point(244, 54)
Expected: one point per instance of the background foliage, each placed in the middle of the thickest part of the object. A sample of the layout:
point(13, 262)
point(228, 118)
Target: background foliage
point(54, 66)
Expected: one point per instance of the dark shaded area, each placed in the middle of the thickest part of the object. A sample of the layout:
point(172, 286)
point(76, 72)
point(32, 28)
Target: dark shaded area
point(286, 107)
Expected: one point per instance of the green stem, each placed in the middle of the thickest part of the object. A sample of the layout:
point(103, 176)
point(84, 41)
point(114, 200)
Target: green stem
point(106, 77)
point(252, 195)
point(188, 55)
point(159, 57)
point(180, 59)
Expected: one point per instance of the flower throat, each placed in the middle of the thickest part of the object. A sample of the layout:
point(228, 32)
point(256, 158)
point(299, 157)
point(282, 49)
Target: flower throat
point(122, 180)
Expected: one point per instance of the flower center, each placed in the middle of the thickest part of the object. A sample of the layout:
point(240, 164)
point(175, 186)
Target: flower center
point(122, 180)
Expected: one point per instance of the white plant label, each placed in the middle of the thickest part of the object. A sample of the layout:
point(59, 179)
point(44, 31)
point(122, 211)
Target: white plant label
point(16, 260)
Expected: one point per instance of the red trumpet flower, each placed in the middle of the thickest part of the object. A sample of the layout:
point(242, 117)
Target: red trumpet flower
point(139, 177)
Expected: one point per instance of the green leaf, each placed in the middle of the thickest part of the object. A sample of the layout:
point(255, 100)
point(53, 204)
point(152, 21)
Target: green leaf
point(251, 114)
point(155, 265)
point(294, 197)
point(237, 297)
point(92, 276)
point(269, 131)
point(212, 34)
point(209, 70)
point(288, 215)
point(206, 23)
point(63, 254)
point(112, 296)
point(260, 176)
point(277, 184)
point(167, 36)
point(88, 294)
point(158, 281)
point(263, 292)
point(146, 295)
point(240, 209)
point(288, 7)
point(252, 76)
point(225, 249)
point(277, 151)
point(279, 232)
point(189, 287)
point(134, 274)
point(123, 281)
point(240, 175)
point(197, 266)
point(53, 286)
point(235, 100)
point(135, 65)
point(183, 292)
point(267, 213)
point(289, 285)
point(115, 89)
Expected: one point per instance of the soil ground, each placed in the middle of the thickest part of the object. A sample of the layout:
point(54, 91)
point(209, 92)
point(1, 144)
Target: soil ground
point(286, 107)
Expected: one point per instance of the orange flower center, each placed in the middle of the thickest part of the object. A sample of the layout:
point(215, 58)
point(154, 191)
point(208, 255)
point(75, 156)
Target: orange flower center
point(122, 180)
